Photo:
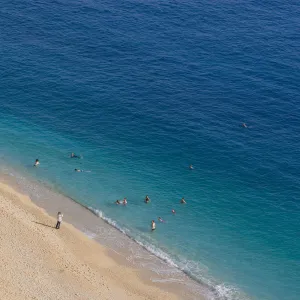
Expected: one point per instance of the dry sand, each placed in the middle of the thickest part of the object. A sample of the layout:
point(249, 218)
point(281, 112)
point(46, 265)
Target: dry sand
point(39, 262)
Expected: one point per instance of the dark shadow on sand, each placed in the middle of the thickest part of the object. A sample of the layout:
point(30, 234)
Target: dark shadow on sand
point(43, 224)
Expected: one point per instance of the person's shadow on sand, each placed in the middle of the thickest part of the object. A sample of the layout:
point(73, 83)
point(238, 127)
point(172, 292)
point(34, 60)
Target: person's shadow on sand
point(43, 224)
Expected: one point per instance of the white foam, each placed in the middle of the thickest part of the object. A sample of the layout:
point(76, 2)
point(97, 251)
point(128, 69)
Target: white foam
point(195, 270)
point(111, 222)
point(225, 292)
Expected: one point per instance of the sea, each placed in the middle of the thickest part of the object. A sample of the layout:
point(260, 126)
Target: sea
point(141, 90)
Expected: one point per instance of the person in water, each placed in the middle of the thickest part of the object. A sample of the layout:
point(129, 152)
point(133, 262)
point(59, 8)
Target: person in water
point(59, 219)
point(78, 170)
point(244, 125)
point(73, 155)
point(191, 167)
point(118, 202)
point(153, 225)
point(182, 201)
point(161, 220)
point(37, 162)
point(124, 201)
point(173, 211)
point(147, 199)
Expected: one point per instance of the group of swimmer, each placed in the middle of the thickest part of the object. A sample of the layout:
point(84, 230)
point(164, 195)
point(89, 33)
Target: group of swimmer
point(118, 202)
point(182, 201)
point(124, 202)
point(73, 155)
point(147, 200)
point(153, 225)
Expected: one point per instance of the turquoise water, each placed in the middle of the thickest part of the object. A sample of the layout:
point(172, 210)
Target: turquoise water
point(143, 89)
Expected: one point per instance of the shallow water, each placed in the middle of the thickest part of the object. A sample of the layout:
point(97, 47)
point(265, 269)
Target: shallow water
point(142, 89)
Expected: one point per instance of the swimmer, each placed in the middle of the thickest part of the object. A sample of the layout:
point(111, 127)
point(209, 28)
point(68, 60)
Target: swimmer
point(73, 155)
point(147, 199)
point(161, 220)
point(118, 202)
point(37, 162)
point(182, 201)
point(153, 225)
point(124, 201)
point(191, 167)
point(77, 170)
point(244, 125)
point(173, 211)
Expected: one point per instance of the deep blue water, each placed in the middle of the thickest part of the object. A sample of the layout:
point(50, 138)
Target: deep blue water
point(142, 89)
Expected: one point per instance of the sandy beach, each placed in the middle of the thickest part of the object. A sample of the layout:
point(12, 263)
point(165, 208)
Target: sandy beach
point(40, 262)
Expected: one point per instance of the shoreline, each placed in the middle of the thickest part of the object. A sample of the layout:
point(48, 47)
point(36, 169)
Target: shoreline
point(82, 265)
point(73, 214)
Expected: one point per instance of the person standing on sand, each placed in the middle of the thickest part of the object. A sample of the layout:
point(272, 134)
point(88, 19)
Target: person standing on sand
point(59, 219)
